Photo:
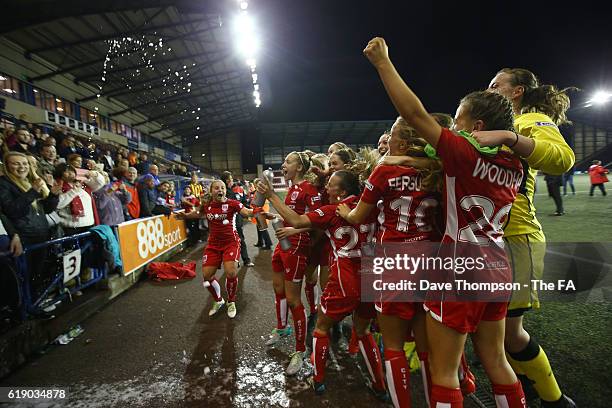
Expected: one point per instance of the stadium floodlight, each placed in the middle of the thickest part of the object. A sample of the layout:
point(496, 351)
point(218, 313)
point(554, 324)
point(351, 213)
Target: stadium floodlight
point(600, 98)
point(244, 5)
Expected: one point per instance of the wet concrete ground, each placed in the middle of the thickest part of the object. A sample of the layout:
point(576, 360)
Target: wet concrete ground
point(155, 346)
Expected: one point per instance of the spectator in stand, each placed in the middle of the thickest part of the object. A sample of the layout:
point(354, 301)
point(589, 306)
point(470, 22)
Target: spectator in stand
point(67, 147)
point(597, 174)
point(91, 153)
point(123, 163)
point(195, 186)
point(189, 202)
point(228, 179)
point(111, 200)
point(75, 160)
point(76, 208)
point(143, 164)
point(92, 165)
point(3, 148)
point(154, 172)
point(129, 179)
point(163, 194)
point(171, 170)
point(25, 200)
point(22, 141)
point(46, 164)
point(51, 141)
point(147, 194)
point(132, 158)
point(108, 161)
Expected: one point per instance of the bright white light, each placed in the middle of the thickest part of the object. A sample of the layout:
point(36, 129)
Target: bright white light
point(9, 90)
point(247, 46)
point(251, 63)
point(256, 94)
point(197, 136)
point(601, 97)
point(2, 78)
point(244, 24)
point(244, 5)
point(256, 87)
point(58, 100)
point(254, 76)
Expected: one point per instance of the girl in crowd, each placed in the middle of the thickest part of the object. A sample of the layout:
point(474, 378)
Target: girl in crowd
point(25, 200)
point(408, 214)
point(470, 202)
point(223, 245)
point(538, 110)
point(289, 265)
point(342, 294)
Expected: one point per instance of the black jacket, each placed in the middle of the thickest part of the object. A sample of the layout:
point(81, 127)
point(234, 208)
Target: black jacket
point(17, 206)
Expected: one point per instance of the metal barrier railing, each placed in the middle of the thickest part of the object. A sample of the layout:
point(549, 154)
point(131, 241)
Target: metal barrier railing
point(71, 250)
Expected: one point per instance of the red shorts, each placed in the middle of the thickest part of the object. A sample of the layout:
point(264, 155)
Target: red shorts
point(218, 253)
point(465, 316)
point(321, 253)
point(403, 310)
point(292, 263)
point(342, 294)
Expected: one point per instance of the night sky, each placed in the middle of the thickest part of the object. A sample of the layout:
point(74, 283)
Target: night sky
point(312, 69)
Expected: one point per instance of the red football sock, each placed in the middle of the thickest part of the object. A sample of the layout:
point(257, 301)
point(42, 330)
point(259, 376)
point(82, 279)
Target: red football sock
point(371, 355)
point(299, 323)
point(425, 374)
point(510, 396)
point(353, 347)
point(398, 378)
point(442, 397)
point(231, 285)
point(214, 288)
point(467, 381)
point(320, 345)
point(310, 296)
point(281, 310)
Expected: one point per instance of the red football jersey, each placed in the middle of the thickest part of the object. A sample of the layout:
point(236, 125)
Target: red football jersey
point(222, 220)
point(302, 197)
point(407, 212)
point(480, 190)
point(346, 239)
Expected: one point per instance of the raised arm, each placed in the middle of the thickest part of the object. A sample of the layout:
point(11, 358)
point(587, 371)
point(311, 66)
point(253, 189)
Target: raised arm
point(405, 101)
point(290, 216)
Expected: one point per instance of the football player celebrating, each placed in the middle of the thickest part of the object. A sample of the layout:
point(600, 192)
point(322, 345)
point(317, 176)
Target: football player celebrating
point(223, 245)
point(476, 207)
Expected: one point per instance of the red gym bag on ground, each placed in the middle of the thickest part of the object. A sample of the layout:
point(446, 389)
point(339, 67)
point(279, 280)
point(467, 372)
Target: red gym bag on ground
point(171, 270)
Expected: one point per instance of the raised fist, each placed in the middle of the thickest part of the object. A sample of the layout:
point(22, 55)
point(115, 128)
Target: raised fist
point(377, 51)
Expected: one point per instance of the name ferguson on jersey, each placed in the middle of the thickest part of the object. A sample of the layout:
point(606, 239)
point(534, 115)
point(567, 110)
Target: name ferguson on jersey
point(498, 175)
point(405, 183)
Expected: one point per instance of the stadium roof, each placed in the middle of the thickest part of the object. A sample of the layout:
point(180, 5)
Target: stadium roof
point(173, 62)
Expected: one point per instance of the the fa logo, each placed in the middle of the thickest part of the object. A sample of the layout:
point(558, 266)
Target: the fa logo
point(294, 195)
point(224, 207)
